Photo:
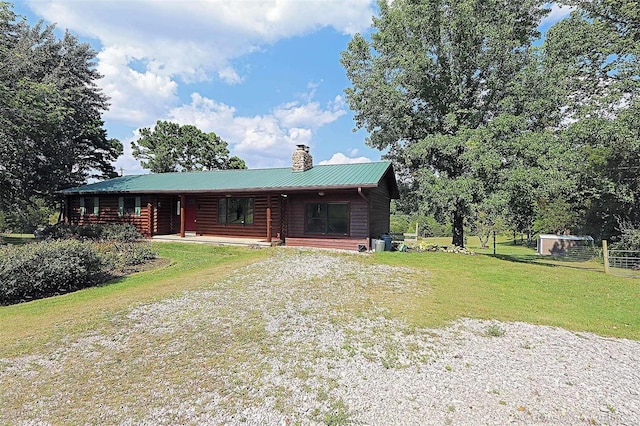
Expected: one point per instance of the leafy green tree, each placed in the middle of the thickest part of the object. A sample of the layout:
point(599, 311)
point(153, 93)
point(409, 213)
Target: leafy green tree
point(609, 176)
point(489, 218)
point(169, 147)
point(597, 53)
point(623, 16)
point(236, 163)
point(629, 238)
point(432, 73)
point(51, 131)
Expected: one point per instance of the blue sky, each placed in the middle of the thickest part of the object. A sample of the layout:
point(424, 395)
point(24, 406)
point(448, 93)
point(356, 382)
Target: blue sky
point(263, 75)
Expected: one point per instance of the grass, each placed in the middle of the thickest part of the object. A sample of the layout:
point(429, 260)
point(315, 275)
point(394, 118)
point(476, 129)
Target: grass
point(223, 347)
point(29, 325)
point(519, 286)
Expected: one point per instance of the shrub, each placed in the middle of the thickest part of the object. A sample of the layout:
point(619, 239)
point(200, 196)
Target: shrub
point(47, 268)
point(122, 254)
point(110, 232)
point(629, 238)
point(120, 232)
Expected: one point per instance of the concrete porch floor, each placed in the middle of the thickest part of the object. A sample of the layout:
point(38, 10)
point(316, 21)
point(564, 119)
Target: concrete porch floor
point(212, 239)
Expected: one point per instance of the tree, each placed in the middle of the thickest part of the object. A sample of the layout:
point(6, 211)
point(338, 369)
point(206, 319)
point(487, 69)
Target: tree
point(432, 73)
point(489, 218)
point(609, 176)
point(51, 131)
point(597, 53)
point(622, 16)
point(170, 147)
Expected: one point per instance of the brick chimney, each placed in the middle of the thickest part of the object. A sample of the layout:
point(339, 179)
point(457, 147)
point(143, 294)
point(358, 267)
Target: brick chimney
point(301, 159)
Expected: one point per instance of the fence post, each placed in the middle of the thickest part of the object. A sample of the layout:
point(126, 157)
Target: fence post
point(605, 256)
point(494, 243)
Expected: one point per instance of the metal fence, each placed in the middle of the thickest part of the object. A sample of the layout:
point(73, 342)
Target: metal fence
point(621, 262)
point(625, 259)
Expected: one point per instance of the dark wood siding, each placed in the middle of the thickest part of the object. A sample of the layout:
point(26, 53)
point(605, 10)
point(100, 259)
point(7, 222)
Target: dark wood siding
point(368, 215)
point(207, 217)
point(358, 215)
point(164, 215)
point(109, 213)
point(160, 214)
point(379, 209)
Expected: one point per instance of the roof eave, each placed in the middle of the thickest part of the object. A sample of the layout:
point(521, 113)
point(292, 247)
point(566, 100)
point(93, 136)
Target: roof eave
point(229, 190)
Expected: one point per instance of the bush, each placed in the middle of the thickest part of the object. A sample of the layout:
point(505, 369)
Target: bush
point(25, 219)
point(399, 223)
point(110, 232)
point(123, 254)
point(123, 232)
point(629, 238)
point(46, 268)
point(50, 267)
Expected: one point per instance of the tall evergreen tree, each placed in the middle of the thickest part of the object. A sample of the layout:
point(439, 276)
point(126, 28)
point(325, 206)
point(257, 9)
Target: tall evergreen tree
point(51, 130)
point(169, 147)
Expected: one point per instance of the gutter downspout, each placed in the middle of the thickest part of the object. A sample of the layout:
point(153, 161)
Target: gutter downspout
point(364, 197)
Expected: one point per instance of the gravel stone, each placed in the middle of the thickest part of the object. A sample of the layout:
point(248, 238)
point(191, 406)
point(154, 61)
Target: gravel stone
point(304, 360)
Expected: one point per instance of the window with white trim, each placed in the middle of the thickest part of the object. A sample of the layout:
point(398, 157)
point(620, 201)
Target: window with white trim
point(89, 206)
point(129, 206)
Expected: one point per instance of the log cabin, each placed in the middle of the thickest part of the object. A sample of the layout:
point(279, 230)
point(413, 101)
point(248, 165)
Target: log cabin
point(339, 206)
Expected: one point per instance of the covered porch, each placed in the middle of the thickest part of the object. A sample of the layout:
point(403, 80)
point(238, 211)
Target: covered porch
point(191, 237)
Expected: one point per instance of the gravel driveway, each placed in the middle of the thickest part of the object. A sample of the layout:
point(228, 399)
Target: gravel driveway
point(297, 339)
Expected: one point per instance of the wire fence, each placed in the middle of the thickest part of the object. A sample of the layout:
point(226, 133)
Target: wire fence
point(582, 253)
point(621, 262)
point(625, 259)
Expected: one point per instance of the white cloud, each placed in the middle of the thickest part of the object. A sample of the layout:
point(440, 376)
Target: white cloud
point(135, 96)
point(126, 164)
point(262, 140)
point(340, 158)
point(188, 41)
point(558, 12)
point(310, 114)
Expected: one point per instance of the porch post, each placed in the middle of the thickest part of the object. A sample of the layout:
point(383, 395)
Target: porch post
point(150, 218)
point(183, 202)
point(67, 210)
point(269, 218)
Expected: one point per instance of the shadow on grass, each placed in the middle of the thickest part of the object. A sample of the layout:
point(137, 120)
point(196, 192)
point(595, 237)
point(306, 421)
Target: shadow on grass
point(549, 261)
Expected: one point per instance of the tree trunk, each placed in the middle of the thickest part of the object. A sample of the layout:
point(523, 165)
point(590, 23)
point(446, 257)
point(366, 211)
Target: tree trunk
point(458, 229)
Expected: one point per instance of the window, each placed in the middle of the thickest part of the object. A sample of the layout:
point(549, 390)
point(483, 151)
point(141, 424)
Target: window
point(129, 206)
point(233, 210)
point(89, 206)
point(327, 218)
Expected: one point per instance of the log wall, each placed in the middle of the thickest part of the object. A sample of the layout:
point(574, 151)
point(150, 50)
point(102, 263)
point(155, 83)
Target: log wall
point(207, 217)
point(329, 243)
point(379, 209)
point(358, 213)
point(109, 213)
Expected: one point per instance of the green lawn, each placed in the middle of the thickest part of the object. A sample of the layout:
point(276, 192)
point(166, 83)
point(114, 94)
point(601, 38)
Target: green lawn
point(519, 286)
point(507, 288)
point(186, 267)
point(227, 338)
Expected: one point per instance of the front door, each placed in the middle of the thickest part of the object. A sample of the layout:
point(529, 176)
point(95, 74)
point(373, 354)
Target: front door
point(190, 215)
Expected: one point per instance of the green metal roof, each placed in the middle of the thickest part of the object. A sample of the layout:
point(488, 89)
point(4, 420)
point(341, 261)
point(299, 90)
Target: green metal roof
point(366, 175)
